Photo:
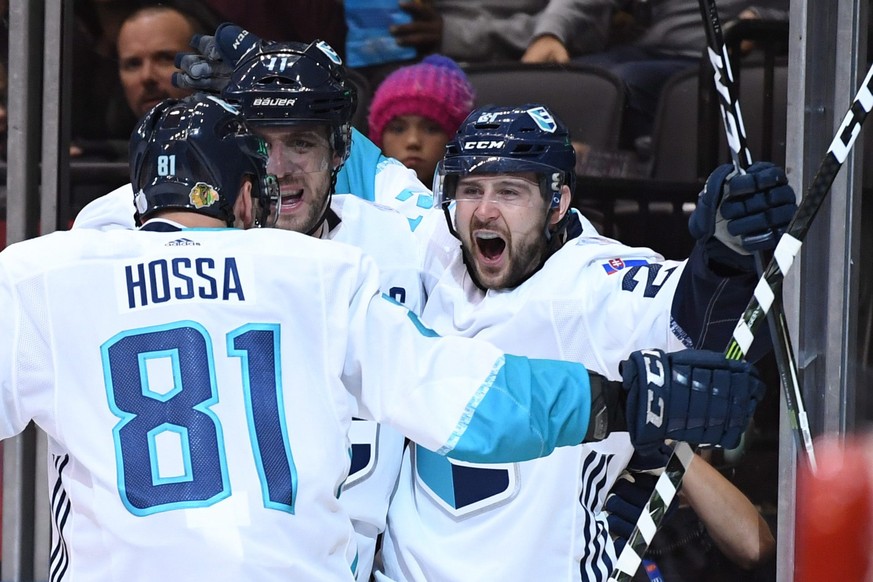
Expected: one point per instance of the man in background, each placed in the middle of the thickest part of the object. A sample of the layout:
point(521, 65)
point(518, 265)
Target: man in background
point(148, 41)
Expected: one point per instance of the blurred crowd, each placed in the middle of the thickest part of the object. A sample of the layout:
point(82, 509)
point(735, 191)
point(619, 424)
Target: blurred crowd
point(124, 49)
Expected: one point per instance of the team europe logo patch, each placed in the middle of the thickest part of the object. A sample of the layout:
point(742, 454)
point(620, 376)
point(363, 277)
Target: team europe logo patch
point(543, 119)
point(202, 195)
point(617, 264)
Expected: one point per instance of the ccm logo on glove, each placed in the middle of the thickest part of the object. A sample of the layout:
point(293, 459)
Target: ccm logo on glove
point(654, 375)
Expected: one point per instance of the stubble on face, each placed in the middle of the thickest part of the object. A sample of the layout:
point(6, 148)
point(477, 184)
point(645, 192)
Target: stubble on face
point(499, 257)
point(304, 176)
point(306, 214)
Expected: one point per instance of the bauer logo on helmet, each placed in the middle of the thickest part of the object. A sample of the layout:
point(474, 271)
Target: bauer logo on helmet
point(274, 101)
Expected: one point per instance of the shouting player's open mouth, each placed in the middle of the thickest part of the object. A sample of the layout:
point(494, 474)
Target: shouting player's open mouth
point(490, 247)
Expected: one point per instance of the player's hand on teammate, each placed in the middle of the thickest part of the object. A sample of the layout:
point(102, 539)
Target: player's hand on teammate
point(738, 214)
point(628, 497)
point(209, 69)
point(696, 396)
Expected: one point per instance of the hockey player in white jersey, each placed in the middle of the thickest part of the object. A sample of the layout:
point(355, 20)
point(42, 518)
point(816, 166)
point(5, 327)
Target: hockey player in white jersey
point(522, 281)
point(297, 97)
point(197, 382)
point(226, 62)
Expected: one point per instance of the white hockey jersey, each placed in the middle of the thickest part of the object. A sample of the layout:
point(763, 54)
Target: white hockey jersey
point(594, 301)
point(235, 476)
point(384, 235)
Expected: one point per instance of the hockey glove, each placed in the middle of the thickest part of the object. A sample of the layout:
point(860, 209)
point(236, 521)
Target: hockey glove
point(695, 396)
point(209, 69)
point(738, 214)
point(628, 497)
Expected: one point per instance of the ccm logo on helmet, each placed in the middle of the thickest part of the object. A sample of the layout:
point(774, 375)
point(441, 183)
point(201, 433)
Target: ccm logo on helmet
point(274, 102)
point(483, 145)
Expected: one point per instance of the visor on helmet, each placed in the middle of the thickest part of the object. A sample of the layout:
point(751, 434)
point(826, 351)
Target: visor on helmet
point(449, 184)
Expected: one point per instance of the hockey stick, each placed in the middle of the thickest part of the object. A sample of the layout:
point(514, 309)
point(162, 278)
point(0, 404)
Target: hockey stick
point(766, 291)
point(790, 242)
point(671, 480)
point(742, 159)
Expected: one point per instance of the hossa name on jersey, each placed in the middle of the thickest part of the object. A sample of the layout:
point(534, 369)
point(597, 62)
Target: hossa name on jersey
point(181, 278)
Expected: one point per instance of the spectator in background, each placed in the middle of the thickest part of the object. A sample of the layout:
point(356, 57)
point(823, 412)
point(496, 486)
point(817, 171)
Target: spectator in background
point(658, 38)
point(148, 41)
point(300, 20)
point(494, 30)
point(416, 110)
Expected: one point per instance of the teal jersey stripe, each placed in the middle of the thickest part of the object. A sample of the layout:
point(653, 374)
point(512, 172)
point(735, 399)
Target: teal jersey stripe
point(524, 410)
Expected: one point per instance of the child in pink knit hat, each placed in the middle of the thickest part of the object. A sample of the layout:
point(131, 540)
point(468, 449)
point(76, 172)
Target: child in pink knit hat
point(417, 109)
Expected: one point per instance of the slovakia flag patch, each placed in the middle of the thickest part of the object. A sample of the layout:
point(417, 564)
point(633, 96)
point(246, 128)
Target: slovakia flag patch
point(617, 264)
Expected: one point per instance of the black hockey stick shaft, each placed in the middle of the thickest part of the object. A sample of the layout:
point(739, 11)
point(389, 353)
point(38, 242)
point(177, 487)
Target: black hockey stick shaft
point(729, 103)
point(790, 243)
point(742, 158)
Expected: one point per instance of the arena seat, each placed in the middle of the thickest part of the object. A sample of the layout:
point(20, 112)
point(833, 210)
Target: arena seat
point(589, 100)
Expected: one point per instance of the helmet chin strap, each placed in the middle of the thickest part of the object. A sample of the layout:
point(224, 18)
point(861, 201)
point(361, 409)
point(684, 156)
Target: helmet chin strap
point(325, 209)
point(557, 237)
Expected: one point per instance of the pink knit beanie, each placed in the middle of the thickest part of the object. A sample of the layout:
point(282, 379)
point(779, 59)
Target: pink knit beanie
point(435, 88)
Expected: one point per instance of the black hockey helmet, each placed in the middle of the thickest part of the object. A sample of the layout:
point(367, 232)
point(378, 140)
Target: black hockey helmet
point(500, 140)
point(193, 153)
point(288, 83)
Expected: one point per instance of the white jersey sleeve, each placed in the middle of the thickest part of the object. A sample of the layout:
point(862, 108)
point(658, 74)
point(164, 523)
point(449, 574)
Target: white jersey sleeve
point(110, 211)
point(382, 233)
point(197, 389)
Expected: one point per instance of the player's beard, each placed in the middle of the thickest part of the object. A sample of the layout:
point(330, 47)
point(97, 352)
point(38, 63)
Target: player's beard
point(522, 259)
point(308, 215)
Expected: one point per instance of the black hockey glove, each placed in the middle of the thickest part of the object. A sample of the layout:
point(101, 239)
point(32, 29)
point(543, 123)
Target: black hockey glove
point(628, 497)
point(695, 396)
point(738, 214)
point(209, 69)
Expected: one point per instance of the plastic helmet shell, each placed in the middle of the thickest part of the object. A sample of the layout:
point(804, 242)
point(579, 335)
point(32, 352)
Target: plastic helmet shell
point(292, 83)
point(500, 139)
point(193, 154)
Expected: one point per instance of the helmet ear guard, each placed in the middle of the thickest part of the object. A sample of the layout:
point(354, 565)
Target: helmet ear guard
point(193, 154)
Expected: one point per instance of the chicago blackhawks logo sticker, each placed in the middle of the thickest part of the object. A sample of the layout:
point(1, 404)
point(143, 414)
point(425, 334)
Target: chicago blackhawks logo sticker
point(202, 195)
